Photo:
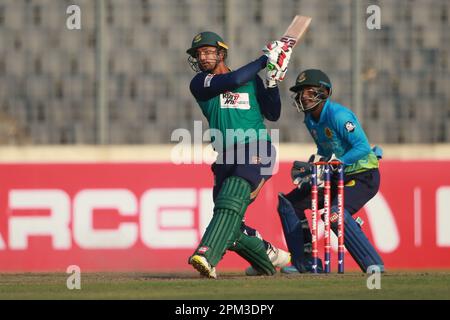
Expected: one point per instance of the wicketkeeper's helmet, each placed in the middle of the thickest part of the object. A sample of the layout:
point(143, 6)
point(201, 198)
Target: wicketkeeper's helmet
point(311, 78)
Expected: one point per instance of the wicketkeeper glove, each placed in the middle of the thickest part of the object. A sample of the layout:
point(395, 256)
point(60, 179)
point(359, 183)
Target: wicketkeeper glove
point(316, 158)
point(333, 158)
point(378, 152)
point(301, 173)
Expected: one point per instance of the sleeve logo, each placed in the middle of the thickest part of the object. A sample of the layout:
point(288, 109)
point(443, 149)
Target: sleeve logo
point(349, 126)
point(207, 82)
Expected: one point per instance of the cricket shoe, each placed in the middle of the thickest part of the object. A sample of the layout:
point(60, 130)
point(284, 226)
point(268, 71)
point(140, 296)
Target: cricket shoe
point(305, 266)
point(278, 257)
point(202, 265)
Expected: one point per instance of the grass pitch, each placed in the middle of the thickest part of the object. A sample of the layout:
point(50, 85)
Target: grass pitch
point(231, 285)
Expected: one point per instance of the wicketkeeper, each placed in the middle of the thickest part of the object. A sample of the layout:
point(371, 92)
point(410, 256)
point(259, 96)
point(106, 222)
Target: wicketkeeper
point(338, 136)
point(237, 102)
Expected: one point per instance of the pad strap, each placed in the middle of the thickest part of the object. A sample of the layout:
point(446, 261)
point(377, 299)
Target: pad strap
point(253, 250)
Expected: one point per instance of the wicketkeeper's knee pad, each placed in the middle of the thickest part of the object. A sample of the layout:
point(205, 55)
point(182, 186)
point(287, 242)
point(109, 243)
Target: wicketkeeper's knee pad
point(356, 242)
point(293, 231)
point(224, 228)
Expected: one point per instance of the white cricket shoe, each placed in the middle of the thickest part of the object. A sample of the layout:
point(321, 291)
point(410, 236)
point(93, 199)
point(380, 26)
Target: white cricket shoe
point(202, 265)
point(278, 257)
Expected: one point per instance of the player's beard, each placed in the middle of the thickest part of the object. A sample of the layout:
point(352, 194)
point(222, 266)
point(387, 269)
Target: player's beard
point(209, 65)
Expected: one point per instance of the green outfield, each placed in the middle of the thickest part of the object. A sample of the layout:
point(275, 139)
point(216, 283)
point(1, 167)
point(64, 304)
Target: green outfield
point(232, 285)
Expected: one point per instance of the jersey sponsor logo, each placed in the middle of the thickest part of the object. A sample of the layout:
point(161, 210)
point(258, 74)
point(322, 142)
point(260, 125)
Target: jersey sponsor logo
point(349, 126)
point(207, 82)
point(231, 100)
point(328, 133)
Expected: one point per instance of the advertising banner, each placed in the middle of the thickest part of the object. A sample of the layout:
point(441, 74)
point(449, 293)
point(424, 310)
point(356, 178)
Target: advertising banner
point(150, 216)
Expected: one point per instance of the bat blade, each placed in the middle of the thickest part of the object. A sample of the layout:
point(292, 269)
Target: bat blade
point(296, 30)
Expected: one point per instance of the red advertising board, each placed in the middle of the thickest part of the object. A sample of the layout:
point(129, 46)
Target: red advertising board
point(150, 216)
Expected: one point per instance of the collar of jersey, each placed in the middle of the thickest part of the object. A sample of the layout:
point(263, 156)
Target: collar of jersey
point(322, 114)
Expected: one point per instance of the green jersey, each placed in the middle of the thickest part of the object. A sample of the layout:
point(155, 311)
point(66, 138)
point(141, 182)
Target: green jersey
point(236, 115)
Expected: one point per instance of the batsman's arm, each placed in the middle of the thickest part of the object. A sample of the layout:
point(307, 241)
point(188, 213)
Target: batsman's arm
point(205, 86)
point(269, 100)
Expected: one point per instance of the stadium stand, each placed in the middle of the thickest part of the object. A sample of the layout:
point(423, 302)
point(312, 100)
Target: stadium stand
point(48, 73)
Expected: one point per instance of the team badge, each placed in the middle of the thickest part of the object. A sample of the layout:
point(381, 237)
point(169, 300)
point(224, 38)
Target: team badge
point(301, 77)
point(198, 37)
point(328, 133)
point(349, 126)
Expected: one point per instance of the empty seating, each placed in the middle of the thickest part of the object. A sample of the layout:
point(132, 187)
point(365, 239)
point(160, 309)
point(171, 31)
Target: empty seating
point(48, 73)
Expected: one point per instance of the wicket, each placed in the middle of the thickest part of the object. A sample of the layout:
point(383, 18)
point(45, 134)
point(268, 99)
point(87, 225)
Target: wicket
point(326, 216)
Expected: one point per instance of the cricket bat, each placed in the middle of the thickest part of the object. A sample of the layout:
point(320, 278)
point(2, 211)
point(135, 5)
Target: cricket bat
point(291, 36)
point(296, 30)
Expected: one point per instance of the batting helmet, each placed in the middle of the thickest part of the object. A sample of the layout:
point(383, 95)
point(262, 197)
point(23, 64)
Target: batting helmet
point(206, 38)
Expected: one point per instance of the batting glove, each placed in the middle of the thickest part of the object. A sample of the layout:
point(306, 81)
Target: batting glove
point(279, 54)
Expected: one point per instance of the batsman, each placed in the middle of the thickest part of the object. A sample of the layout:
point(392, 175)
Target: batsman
point(339, 136)
point(235, 104)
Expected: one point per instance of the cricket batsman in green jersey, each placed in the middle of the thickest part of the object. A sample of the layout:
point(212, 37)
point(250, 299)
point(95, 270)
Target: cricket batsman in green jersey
point(235, 103)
